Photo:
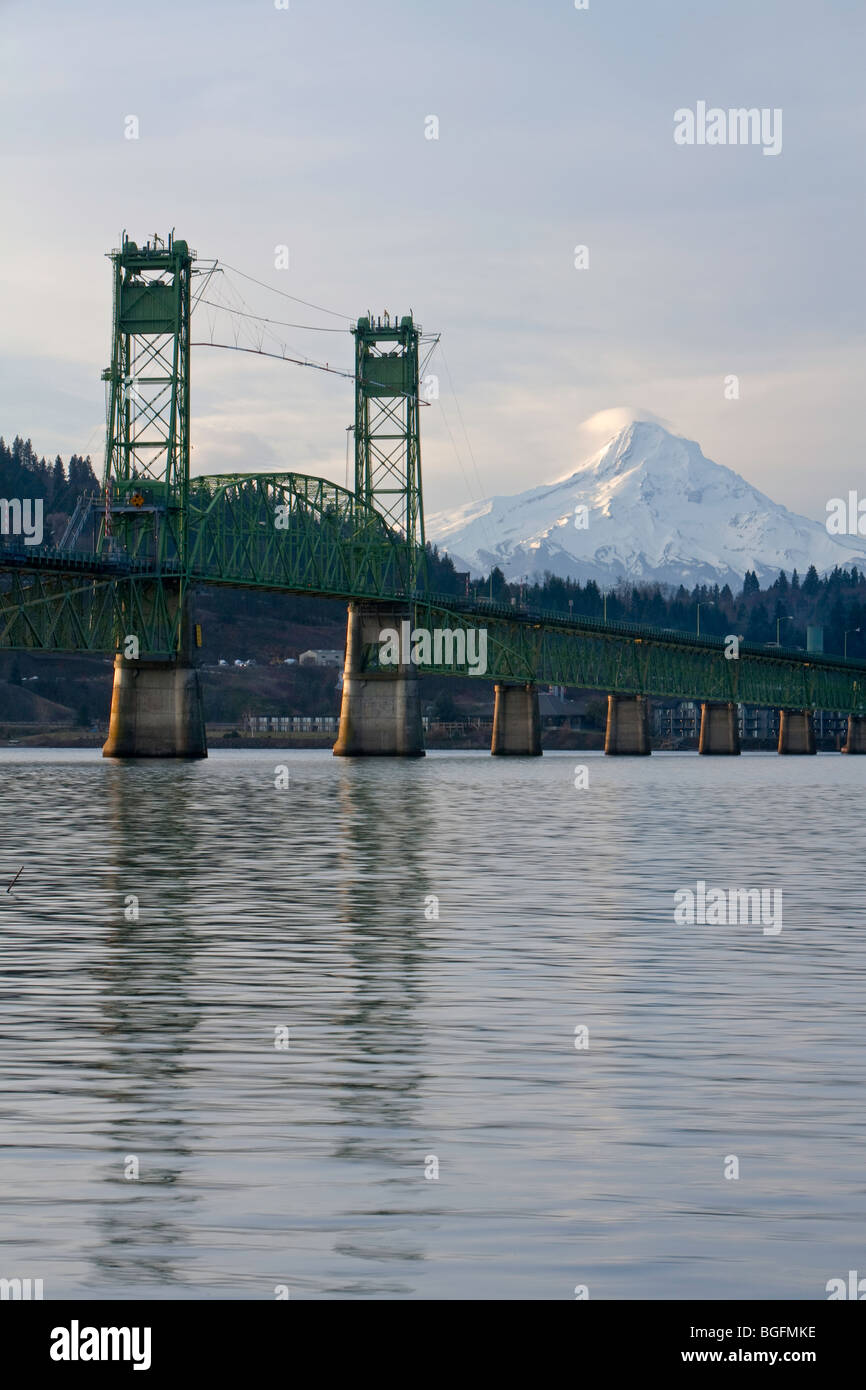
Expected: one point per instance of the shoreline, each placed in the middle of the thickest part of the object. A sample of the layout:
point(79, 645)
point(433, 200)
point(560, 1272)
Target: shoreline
point(553, 740)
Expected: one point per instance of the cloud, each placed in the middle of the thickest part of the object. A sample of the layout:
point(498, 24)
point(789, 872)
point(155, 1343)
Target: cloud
point(604, 424)
point(697, 256)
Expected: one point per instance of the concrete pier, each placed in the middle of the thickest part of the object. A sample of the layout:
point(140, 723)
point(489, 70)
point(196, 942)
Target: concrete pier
point(856, 740)
point(720, 731)
point(380, 716)
point(627, 725)
point(516, 721)
point(796, 731)
point(156, 711)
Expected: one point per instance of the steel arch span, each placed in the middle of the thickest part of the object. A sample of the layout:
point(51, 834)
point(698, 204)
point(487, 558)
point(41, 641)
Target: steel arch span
point(292, 532)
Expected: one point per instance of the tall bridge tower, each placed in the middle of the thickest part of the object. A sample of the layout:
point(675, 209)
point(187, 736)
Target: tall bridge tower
point(147, 439)
point(381, 709)
point(156, 705)
point(387, 429)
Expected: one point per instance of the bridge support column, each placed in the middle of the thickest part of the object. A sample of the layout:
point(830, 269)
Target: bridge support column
point(380, 715)
point(156, 711)
point(516, 721)
point(627, 725)
point(856, 740)
point(720, 731)
point(796, 731)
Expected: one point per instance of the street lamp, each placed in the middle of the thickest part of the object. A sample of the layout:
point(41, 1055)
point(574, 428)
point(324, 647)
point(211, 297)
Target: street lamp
point(788, 618)
point(604, 597)
point(847, 635)
point(709, 604)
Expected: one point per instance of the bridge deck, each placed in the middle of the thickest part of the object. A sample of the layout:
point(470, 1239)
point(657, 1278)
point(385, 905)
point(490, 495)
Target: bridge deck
point(57, 600)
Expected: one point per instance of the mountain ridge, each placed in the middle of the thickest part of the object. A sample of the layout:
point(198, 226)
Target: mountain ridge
point(654, 509)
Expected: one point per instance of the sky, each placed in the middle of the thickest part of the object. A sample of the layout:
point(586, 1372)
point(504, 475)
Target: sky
point(307, 127)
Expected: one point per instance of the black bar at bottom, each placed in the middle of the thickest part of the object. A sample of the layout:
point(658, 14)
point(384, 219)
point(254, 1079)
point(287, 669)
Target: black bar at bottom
point(158, 1338)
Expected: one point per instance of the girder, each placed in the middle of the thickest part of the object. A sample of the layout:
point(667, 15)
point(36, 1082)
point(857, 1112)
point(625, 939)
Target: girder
point(235, 542)
point(626, 659)
point(292, 532)
point(64, 613)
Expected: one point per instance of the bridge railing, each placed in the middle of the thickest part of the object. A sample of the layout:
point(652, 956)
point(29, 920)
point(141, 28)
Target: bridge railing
point(53, 558)
point(636, 631)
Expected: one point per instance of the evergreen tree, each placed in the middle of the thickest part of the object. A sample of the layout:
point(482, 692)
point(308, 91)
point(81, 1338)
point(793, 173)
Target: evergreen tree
point(496, 584)
point(58, 482)
point(750, 583)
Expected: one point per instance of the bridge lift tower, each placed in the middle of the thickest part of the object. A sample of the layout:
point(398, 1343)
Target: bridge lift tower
point(381, 710)
point(387, 429)
point(147, 441)
point(156, 707)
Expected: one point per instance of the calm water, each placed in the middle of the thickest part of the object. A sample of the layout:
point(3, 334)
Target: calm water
point(411, 1038)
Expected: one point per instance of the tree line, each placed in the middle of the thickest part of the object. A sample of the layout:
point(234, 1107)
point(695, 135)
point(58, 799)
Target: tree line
point(780, 611)
point(783, 610)
point(58, 486)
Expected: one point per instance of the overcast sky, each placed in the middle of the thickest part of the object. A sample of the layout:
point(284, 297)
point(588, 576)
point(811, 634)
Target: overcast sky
point(261, 127)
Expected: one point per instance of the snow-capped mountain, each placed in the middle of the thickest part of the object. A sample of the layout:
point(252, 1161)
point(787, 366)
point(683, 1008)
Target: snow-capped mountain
point(648, 506)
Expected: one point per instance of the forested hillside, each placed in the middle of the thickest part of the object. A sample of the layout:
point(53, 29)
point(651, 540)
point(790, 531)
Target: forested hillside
point(24, 474)
point(244, 625)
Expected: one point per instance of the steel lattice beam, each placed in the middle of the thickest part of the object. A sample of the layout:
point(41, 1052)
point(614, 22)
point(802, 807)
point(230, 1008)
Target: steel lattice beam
point(61, 613)
point(387, 429)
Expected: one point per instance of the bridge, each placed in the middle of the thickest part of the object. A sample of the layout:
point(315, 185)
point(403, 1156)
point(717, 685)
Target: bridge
point(154, 534)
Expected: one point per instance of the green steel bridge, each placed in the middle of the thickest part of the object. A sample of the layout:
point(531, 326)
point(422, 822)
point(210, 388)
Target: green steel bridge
point(158, 534)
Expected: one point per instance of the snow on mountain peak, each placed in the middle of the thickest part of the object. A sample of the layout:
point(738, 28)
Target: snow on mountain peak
point(646, 505)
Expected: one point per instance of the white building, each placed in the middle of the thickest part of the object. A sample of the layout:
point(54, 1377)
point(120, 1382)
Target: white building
point(320, 657)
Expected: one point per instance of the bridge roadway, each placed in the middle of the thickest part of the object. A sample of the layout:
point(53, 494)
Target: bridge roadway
point(55, 600)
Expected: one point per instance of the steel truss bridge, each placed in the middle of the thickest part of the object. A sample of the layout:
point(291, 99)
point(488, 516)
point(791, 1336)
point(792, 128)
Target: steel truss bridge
point(158, 534)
